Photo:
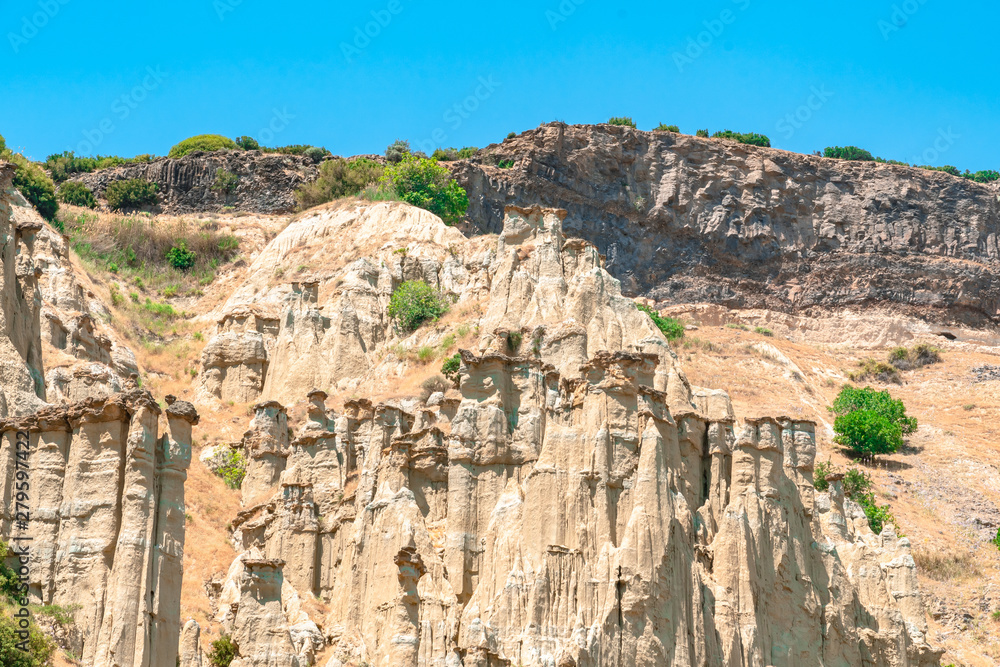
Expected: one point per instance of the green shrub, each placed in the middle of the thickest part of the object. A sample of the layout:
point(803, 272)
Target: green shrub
point(339, 178)
point(996, 540)
point(948, 169)
point(233, 469)
point(987, 176)
point(34, 184)
point(873, 369)
point(670, 327)
point(663, 127)
point(870, 422)
point(445, 154)
point(919, 356)
point(3, 144)
point(247, 143)
point(415, 302)
point(820, 473)
point(315, 153)
point(702, 133)
point(223, 652)
point(763, 331)
point(225, 182)
point(397, 150)
point(9, 583)
point(40, 647)
point(852, 153)
point(132, 193)
point(505, 164)
point(895, 162)
point(624, 121)
point(202, 142)
point(180, 257)
point(451, 368)
point(77, 194)
point(751, 138)
point(859, 488)
point(65, 165)
point(514, 340)
point(512, 135)
point(425, 183)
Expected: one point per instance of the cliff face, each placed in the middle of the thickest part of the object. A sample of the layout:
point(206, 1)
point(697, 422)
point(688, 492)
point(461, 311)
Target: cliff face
point(107, 521)
point(267, 181)
point(685, 220)
point(575, 502)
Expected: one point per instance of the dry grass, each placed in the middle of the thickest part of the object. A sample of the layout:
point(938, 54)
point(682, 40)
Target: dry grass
point(946, 566)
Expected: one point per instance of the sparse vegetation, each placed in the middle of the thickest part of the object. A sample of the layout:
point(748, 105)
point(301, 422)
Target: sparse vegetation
point(65, 165)
point(916, 357)
point(751, 138)
point(415, 302)
point(423, 182)
point(663, 127)
point(451, 369)
point(432, 385)
point(858, 487)
point(223, 652)
point(130, 194)
point(76, 194)
point(702, 133)
point(870, 422)
point(247, 143)
point(852, 153)
point(871, 369)
point(820, 473)
point(397, 150)
point(624, 121)
point(514, 340)
point(670, 327)
point(233, 468)
point(34, 184)
point(946, 566)
point(225, 182)
point(40, 647)
point(180, 257)
point(452, 154)
point(738, 327)
point(202, 142)
point(505, 164)
point(763, 331)
point(339, 178)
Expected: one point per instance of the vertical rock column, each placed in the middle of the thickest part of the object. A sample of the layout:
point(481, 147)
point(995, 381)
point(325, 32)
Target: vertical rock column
point(172, 460)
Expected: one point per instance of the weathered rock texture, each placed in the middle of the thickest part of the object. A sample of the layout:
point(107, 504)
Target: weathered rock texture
point(107, 520)
point(267, 181)
point(22, 384)
point(576, 503)
point(688, 220)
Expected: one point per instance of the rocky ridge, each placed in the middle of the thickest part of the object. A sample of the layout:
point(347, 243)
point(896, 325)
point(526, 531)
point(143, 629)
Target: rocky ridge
point(682, 219)
point(574, 502)
point(267, 181)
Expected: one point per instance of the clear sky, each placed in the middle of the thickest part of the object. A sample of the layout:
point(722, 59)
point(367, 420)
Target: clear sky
point(914, 80)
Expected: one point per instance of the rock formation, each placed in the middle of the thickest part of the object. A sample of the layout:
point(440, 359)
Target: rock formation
point(107, 520)
point(22, 384)
point(682, 219)
point(577, 502)
point(267, 181)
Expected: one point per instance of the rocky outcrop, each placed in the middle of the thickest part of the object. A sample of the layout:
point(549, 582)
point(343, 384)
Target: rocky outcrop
point(190, 648)
point(682, 219)
point(576, 502)
point(107, 519)
point(267, 181)
point(22, 384)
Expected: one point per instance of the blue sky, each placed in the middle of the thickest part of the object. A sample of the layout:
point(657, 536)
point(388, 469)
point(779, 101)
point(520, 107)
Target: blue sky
point(907, 80)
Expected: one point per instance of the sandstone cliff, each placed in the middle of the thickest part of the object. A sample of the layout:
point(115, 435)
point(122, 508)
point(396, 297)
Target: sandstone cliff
point(22, 385)
point(107, 520)
point(682, 219)
point(576, 502)
point(267, 181)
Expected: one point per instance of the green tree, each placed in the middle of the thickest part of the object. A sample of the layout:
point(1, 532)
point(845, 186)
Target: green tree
point(415, 302)
point(751, 138)
point(202, 142)
point(76, 194)
point(397, 150)
point(131, 193)
point(425, 183)
point(34, 184)
point(663, 127)
point(870, 422)
point(451, 368)
point(848, 153)
point(247, 143)
point(339, 178)
point(624, 121)
point(223, 652)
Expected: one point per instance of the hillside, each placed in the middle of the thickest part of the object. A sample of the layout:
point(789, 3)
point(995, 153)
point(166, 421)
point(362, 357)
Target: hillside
point(582, 491)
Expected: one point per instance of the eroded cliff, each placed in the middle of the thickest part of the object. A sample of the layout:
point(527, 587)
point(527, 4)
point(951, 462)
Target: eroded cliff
point(682, 219)
point(574, 502)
